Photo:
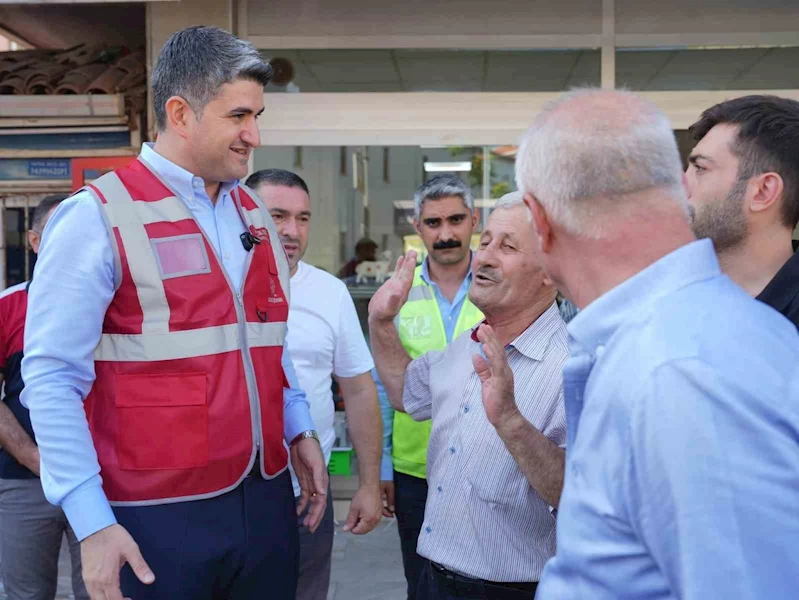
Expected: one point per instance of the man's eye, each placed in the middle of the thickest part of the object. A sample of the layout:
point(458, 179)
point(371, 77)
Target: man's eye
point(277, 217)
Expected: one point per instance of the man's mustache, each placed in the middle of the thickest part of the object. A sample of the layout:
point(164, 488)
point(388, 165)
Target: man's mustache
point(446, 244)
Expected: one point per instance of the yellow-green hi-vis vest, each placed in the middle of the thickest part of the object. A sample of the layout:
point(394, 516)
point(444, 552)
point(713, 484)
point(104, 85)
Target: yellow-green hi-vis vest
point(421, 330)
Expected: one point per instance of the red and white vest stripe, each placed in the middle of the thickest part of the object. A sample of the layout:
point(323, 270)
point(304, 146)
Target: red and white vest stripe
point(189, 378)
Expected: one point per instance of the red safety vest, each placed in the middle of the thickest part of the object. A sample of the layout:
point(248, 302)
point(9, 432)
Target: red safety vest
point(189, 378)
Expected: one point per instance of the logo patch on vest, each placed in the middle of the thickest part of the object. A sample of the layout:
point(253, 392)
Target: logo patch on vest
point(181, 256)
point(416, 327)
point(260, 232)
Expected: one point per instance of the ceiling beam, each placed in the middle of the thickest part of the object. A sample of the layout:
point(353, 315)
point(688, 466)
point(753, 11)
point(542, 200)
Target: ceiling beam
point(439, 118)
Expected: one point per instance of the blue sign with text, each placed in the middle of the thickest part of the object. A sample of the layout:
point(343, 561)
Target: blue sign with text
point(49, 168)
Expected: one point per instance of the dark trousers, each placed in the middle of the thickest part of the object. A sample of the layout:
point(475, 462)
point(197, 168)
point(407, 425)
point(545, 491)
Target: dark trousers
point(242, 545)
point(434, 585)
point(316, 554)
point(410, 495)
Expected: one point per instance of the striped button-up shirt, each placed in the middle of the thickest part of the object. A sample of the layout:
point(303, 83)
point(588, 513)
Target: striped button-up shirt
point(482, 518)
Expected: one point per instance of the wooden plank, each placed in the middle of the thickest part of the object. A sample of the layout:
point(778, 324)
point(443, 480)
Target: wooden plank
point(8, 188)
point(55, 130)
point(83, 1)
point(101, 105)
point(71, 153)
point(62, 121)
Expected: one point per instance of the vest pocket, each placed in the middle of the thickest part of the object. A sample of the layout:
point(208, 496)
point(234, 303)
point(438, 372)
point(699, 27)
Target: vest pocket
point(163, 421)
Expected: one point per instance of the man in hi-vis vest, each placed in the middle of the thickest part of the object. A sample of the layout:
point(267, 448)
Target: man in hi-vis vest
point(437, 311)
point(162, 397)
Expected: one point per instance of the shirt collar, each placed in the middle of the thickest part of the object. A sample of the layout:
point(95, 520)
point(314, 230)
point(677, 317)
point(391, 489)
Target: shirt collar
point(534, 341)
point(784, 288)
point(596, 323)
point(182, 182)
point(425, 274)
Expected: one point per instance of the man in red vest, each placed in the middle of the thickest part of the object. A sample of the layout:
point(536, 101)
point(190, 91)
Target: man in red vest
point(159, 386)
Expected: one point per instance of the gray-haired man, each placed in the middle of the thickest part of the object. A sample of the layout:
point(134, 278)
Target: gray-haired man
point(495, 459)
point(438, 312)
point(172, 294)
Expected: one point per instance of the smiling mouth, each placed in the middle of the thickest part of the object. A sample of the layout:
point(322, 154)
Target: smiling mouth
point(483, 278)
point(241, 151)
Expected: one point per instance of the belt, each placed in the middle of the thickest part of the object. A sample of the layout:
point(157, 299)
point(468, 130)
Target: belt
point(447, 577)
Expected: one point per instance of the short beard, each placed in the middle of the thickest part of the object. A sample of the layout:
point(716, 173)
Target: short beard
point(723, 222)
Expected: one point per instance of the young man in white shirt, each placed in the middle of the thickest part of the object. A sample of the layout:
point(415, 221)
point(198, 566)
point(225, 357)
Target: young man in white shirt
point(326, 340)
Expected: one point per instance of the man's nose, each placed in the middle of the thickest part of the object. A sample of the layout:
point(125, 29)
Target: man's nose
point(288, 227)
point(251, 135)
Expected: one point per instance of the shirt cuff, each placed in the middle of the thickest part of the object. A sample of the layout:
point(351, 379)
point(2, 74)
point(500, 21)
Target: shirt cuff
point(296, 419)
point(386, 467)
point(88, 511)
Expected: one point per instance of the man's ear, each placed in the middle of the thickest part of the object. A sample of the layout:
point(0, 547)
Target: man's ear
point(543, 228)
point(33, 241)
point(416, 226)
point(765, 191)
point(178, 113)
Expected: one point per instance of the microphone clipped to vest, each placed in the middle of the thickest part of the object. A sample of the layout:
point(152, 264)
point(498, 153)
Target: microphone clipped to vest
point(249, 240)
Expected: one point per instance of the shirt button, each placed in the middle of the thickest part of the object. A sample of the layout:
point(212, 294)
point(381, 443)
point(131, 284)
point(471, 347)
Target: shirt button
point(440, 489)
point(465, 409)
point(600, 350)
point(428, 530)
point(452, 450)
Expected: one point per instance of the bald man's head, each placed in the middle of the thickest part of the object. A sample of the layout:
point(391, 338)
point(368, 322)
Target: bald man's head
point(588, 153)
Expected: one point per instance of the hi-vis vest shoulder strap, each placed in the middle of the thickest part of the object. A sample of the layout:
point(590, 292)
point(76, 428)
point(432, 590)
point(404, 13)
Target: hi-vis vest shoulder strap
point(421, 329)
point(156, 342)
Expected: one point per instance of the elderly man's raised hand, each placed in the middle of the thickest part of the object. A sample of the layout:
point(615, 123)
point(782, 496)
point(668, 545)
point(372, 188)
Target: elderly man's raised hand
point(392, 295)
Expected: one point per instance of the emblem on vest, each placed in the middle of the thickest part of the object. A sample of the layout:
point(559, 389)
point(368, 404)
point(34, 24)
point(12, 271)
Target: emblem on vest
point(416, 327)
point(260, 232)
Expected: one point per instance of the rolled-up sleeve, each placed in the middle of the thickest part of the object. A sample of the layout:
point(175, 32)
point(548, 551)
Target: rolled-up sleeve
point(296, 410)
point(416, 398)
point(72, 287)
point(387, 413)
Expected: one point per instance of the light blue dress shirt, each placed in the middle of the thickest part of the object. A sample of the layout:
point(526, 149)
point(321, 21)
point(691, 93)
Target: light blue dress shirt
point(71, 291)
point(682, 468)
point(450, 311)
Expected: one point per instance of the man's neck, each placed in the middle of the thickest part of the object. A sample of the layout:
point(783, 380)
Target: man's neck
point(598, 266)
point(449, 278)
point(166, 148)
point(510, 326)
point(755, 262)
point(443, 275)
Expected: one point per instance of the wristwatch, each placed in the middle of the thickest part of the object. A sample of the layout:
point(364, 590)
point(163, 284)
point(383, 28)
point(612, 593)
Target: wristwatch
point(310, 433)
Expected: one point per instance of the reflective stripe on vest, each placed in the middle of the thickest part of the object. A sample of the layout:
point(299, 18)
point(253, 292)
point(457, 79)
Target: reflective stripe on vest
point(421, 329)
point(186, 363)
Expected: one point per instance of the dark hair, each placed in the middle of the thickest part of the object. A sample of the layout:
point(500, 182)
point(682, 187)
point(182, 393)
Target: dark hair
point(276, 177)
point(44, 207)
point(196, 62)
point(767, 140)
